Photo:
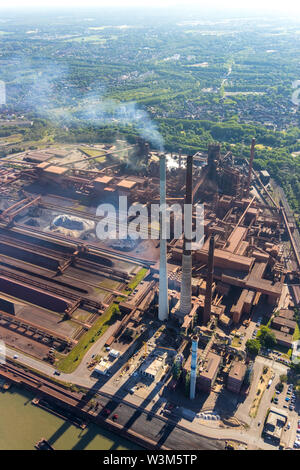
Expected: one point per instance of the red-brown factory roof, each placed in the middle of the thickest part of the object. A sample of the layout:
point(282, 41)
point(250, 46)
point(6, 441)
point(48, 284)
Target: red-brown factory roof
point(211, 366)
point(257, 271)
point(127, 184)
point(37, 156)
point(265, 287)
point(238, 371)
point(56, 170)
point(103, 179)
point(43, 165)
point(286, 313)
point(252, 210)
point(279, 321)
point(296, 293)
point(225, 259)
point(238, 307)
point(283, 337)
point(235, 238)
point(241, 249)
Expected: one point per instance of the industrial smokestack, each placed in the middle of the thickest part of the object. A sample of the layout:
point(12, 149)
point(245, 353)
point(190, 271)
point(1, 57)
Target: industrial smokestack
point(186, 278)
point(213, 157)
point(250, 167)
point(194, 367)
point(209, 281)
point(163, 310)
point(179, 158)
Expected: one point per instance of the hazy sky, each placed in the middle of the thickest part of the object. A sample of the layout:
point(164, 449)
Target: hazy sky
point(286, 6)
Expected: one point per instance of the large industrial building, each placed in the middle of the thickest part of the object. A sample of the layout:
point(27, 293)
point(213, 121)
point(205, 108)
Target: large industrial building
point(58, 278)
point(236, 376)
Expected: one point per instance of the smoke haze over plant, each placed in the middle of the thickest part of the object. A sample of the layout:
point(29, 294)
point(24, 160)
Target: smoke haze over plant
point(49, 85)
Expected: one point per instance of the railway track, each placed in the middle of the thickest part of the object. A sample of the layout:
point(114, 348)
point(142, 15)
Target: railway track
point(60, 257)
point(50, 288)
point(70, 242)
point(21, 322)
point(40, 250)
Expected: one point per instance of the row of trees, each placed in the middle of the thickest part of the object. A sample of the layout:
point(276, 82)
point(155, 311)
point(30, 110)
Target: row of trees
point(265, 339)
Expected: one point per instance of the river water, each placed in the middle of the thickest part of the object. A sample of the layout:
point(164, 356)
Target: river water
point(22, 425)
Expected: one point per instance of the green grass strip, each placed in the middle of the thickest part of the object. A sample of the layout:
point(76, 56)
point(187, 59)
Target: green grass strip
point(69, 363)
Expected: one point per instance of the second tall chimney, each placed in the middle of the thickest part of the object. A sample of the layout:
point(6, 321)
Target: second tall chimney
point(163, 308)
point(186, 278)
point(209, 281)
point(250, 166)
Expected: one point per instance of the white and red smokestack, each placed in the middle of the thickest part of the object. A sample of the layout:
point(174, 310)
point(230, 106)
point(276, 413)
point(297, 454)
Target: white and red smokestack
point(209, 281)
point(250, 166)
point(163, 308)
point(186, 278)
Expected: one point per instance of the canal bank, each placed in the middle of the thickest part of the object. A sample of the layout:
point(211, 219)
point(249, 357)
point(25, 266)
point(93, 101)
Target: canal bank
point(22, 425)
point(78, 404)
point(144, 428)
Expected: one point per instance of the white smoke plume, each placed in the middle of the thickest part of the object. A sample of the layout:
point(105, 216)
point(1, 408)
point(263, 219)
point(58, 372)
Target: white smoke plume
point(53, 96)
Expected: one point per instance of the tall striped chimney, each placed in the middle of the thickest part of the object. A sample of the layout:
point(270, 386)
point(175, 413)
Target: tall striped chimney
point(209, 281)
point(163, 309)
point(186, 278)
point(250, 167)
point(194, 367)
point(179, 158)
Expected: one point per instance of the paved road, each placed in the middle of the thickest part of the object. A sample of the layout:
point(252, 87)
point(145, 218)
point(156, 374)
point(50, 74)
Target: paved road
point(251, 439)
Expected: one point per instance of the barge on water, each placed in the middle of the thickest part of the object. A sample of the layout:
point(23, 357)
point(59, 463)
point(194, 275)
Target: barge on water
point(43, 444)
point(59, 412)
point(4, 384)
